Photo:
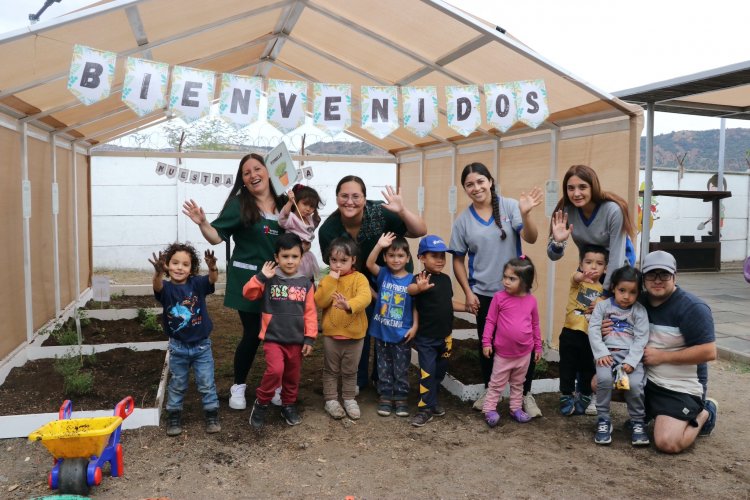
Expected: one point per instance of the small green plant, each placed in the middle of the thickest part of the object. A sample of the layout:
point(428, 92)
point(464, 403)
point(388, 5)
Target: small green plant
point(470, 356)
point(541, 368)
point(65, 334)
point(149, 320)
point(83, 318)
point(76, 380)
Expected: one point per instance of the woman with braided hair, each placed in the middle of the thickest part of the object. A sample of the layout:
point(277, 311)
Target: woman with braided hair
point(489, 232)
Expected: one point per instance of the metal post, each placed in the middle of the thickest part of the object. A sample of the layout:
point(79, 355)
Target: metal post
point(722, 148)
point(551, 264)
point(648, 180)
point(76, 237)
point(55, 233)
point(26, 211)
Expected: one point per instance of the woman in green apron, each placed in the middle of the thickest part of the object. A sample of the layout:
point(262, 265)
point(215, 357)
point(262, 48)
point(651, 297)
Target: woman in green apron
point(250, 217)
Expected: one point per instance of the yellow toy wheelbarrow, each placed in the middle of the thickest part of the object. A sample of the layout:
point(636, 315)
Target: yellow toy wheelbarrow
point(81, 446)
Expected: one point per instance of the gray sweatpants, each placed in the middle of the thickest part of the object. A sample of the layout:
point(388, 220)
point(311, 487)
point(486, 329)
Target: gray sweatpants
point(633, 397)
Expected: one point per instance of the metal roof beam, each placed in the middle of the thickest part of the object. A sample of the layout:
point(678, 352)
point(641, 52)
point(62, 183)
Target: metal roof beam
point(139, 31)
point(287, 20)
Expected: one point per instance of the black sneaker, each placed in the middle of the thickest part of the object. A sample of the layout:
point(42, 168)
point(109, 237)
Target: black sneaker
point(258, 415)
point(212, 421)
point(174, 422)
point(603, 431)
point(290, 414)
point(712, 407)
point(421, 418)
point(438, 411)
point(639, 436)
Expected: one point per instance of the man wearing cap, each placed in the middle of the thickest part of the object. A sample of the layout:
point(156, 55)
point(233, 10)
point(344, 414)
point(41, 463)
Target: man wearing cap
point(681, 342)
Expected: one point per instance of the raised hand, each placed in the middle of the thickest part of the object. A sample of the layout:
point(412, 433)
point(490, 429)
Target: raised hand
point(423, 281)
point(268, 269)
point(160, 265)
point(394, 203)
point(340, 302)
point(560, 229)
point(386, 239)
point(194, 212)
point(210, 259)
point(528, 201)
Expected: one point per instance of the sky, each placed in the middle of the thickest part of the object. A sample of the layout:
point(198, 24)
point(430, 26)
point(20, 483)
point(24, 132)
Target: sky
point(608, 47)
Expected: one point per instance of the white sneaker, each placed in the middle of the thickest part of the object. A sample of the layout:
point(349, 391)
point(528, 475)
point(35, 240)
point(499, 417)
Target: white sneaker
point(591, 408)
point(530, 406)
point(352, 408)
point(334, 409)
point(237, 397)
point(479, 403)
point(276, 401)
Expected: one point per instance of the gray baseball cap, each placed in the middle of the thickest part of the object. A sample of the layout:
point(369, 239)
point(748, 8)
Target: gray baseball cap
point(659, 260)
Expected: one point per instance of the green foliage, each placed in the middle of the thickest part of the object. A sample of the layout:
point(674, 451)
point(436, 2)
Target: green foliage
point(469, 356)
point(702, 149)
point(65, 334)
point(76, 380)
point(149, 321)
point(541, 368)
point(83, 318)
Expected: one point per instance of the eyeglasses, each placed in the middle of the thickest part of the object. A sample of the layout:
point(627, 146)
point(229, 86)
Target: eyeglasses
point(661, 276)
point(354, 198)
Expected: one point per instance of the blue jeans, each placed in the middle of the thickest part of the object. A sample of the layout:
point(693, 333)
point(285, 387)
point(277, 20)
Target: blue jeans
point(198, 356)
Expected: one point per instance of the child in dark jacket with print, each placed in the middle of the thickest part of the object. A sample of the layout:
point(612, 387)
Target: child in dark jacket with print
point(188, 325)
point(289, 325)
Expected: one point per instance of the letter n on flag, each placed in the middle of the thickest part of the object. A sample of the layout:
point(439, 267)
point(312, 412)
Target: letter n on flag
point(379, 110)
point(239, 99)
point(91, 74)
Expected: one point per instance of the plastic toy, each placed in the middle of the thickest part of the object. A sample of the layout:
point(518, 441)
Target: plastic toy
point(81, 446)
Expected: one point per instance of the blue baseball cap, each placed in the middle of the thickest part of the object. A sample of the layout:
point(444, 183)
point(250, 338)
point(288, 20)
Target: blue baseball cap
point(432, 243)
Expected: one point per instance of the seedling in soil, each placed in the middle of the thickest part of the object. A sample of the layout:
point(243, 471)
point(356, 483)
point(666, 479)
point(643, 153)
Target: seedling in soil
point(149, 320)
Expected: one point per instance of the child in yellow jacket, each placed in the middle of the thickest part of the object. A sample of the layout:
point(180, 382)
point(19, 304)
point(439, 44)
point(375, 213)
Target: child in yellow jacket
point(343, 295)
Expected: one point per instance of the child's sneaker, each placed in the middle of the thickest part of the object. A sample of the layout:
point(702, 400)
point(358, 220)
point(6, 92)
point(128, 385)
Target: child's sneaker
point(603, 431)
point(712, 407)
point(212, 421)
point(492, 418)
point(639, 436)
point(591, 408)
point(530, 407)
point(276, 400)
point(352, 408)
point(237, 397)
point(421, 418)
point(258, 415)
point(290, 414)
point(520, 416)
point(567, 404)
point(385, 406)
point(402, 409)
point(174, 422)
point(334, 409)
point(582, 404)
point(438, 411)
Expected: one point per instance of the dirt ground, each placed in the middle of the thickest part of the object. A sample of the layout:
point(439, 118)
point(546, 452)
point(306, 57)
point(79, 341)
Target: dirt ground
point(455, 456)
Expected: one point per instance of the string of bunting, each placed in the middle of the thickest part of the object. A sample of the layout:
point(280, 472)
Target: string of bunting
point(194, 176)
point(192, 92)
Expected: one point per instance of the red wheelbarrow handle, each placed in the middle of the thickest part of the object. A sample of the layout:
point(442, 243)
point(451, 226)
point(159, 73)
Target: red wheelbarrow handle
point(125, 407)
point(66, 409)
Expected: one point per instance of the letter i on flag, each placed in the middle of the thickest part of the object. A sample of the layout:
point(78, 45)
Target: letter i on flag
point(91, 74)
point(145, 87)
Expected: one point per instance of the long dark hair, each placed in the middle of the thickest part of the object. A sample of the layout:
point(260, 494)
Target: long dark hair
point(249, 211)
point(588, 175)
point(352, 178)
point(479, 168)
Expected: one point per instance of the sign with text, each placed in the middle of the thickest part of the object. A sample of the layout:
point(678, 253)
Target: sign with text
point(91, 74)
point(281, 169)
point(192, 93)
point(145, 87)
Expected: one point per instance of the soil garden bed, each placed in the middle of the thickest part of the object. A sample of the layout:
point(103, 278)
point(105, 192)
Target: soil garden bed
point(37, 387)
point(97, 331)
point(124, 302)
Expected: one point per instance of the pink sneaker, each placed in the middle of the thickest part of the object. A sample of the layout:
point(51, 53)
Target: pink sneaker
point(492, 418)
point(520, 416)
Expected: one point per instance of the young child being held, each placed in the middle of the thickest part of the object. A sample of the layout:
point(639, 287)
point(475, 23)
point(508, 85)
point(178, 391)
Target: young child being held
point(576, 358)
point(289, 325)
point(622, 348)
point(343, 295)
point(300, 216)
point(188, 325)
point(393, 324)
point(512, 332)
point(433, 299)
